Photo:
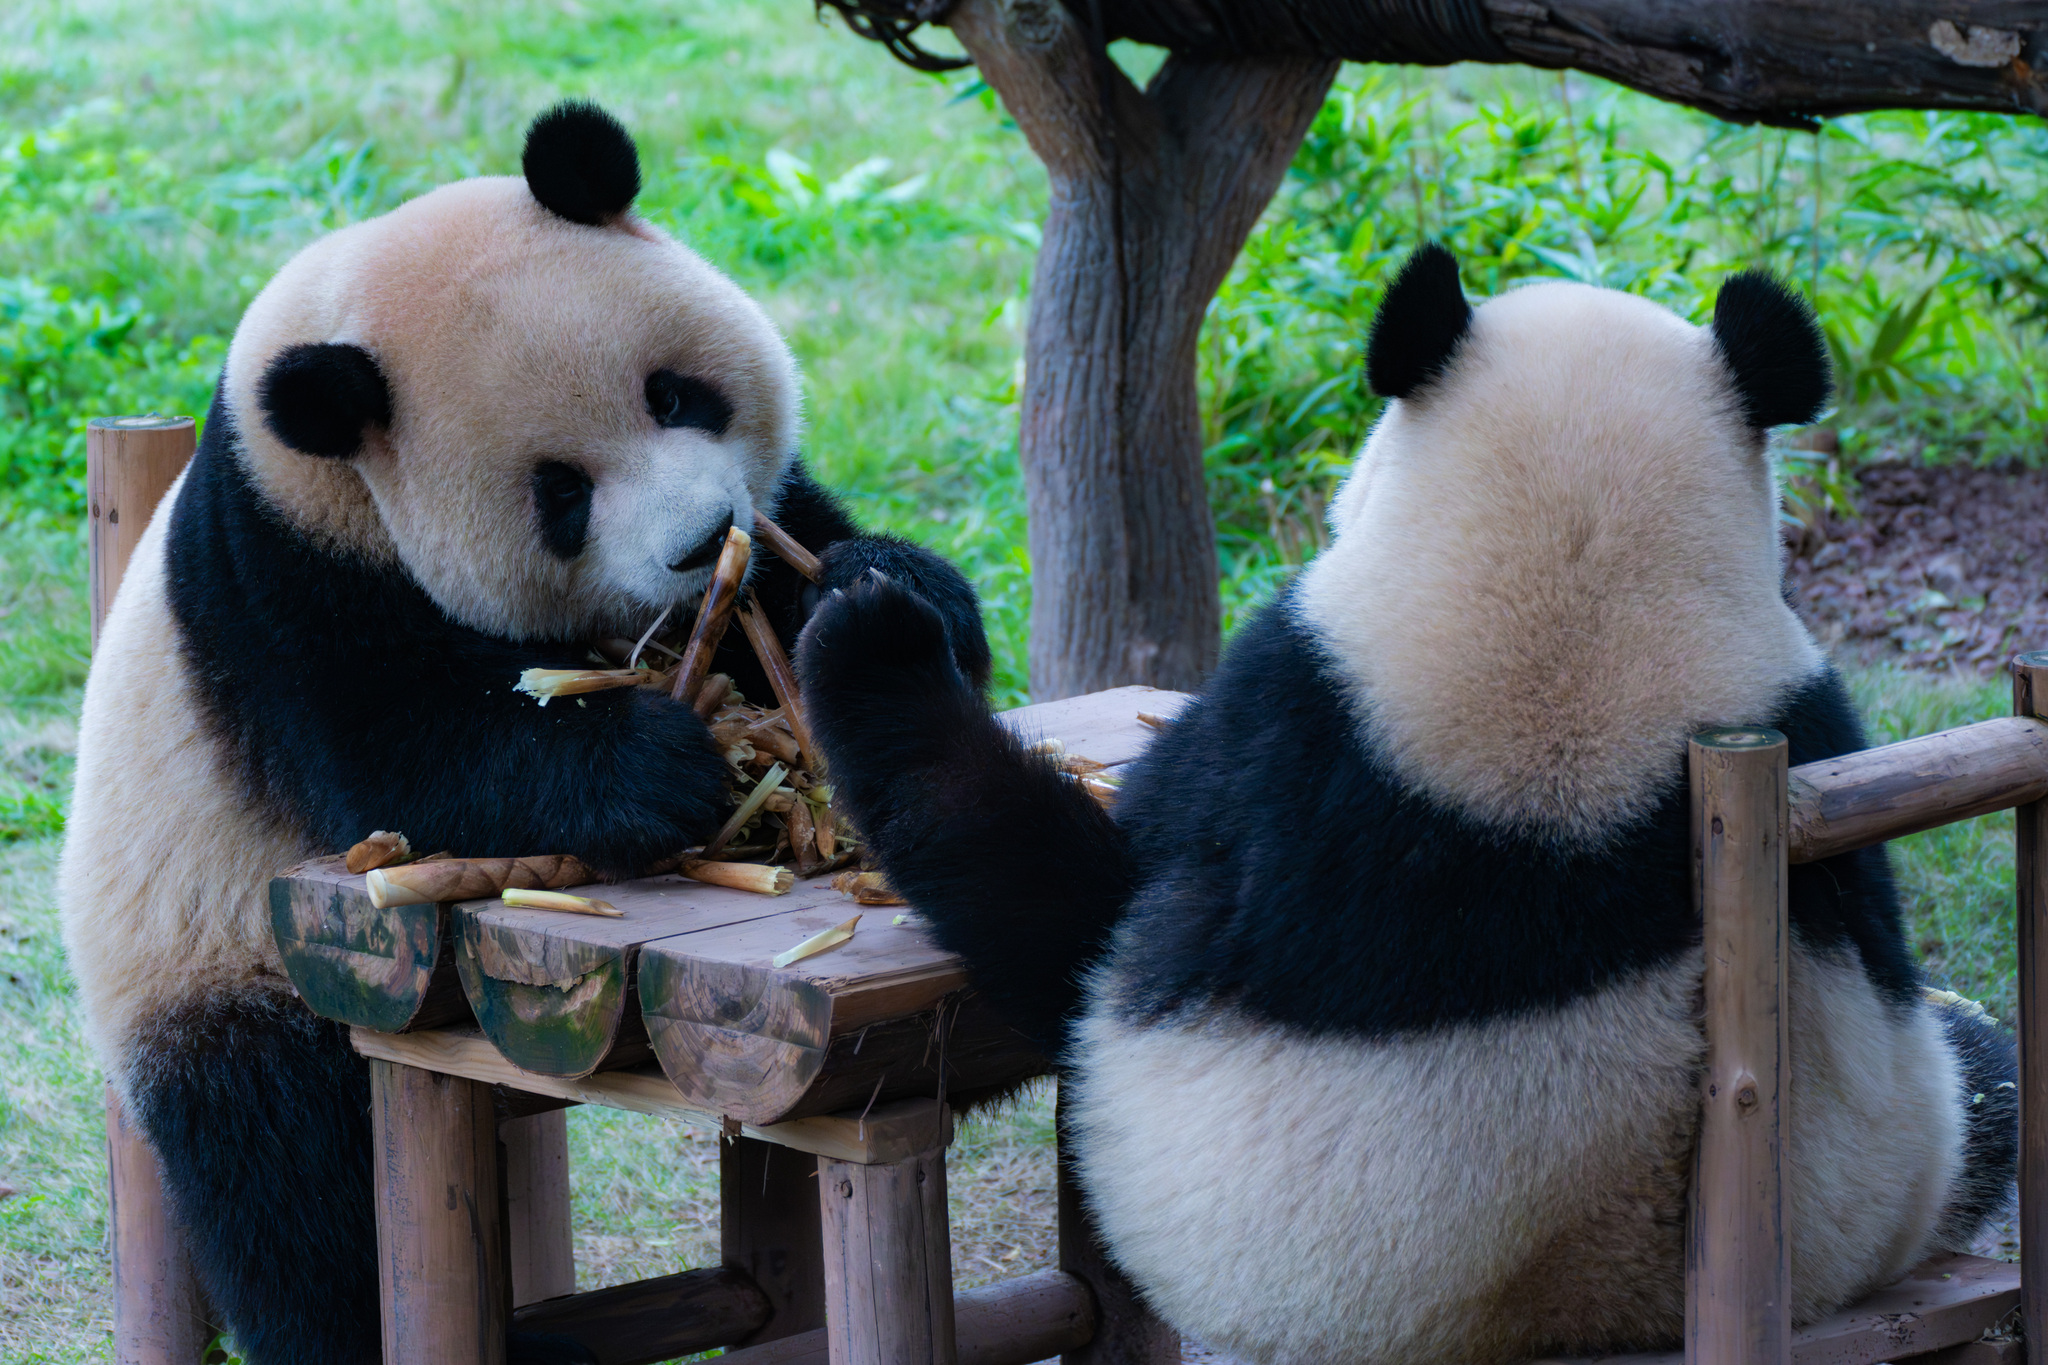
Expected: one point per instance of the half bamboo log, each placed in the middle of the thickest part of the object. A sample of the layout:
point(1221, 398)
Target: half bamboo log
point(391, 970)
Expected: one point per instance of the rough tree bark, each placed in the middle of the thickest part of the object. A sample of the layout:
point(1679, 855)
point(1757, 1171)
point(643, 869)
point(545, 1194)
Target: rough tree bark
point(1152, 197)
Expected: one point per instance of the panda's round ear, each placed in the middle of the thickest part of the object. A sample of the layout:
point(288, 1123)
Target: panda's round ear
point(1420, 323)
point(580, 163)
point(319, 399)
point(1774, 350)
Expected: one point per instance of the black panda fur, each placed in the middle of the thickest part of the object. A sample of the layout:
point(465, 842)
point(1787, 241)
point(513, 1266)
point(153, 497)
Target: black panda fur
point(1296, 936)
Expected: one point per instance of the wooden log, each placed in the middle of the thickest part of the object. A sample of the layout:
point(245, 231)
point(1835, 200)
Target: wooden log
point(1127, 1331)
point(1945, 1302)
point(1014, 1322)
point(443, 1273)
point(160, 1312)
point(2030, 832)
point(1738, 1260)
point(888, 1262)
point(1866, 797)
point(534, 1151)
point(713, 616)
point(875, 1017)
point(130, 463)
point(786, 548)
point(769, 1229)
point(390, 970)
point(556, 993)
point(654, 1320)
point(887, 1131)
point(781, 677)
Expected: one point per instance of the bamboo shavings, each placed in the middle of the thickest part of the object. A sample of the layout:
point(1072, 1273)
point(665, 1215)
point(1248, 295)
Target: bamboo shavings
point(383, 848)
point(759, 878)
point(756, 798)
point(867, 888)
point(560, 900)
point(817, 943)
point(1156, 722)
point(545, 684)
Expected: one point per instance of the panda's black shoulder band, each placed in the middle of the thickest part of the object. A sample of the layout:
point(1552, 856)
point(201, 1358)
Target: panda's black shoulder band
point(1419, 325)
point(580, 163)
point(319, 398)
point(1774, 350)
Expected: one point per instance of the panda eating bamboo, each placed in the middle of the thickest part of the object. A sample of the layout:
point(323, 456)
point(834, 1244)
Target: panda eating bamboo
point(1377, 1000)
point(449, 444)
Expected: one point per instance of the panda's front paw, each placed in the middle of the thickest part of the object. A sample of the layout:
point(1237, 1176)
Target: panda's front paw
point(876, 664)
point(848, 563)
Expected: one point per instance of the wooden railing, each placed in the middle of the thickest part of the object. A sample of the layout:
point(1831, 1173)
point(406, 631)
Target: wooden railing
point(1752, 819)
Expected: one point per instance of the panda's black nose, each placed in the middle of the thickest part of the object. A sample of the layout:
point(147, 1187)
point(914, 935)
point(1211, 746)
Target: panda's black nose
point(707, 549)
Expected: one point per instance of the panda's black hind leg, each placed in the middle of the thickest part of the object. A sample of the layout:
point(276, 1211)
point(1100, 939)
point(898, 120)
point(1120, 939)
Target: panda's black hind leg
point(1991, 1132)
point(260, 1116)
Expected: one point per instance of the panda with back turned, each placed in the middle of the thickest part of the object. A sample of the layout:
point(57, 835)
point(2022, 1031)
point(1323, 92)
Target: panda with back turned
point(450, 443)
point(1378, 999)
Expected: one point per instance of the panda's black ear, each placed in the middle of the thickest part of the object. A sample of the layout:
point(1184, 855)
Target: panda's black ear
point(1420, 323)
point(318, 399)
point(580, 163)
point(1774, 349)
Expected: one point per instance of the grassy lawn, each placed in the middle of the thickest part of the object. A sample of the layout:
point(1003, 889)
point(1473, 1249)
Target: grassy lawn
point(157, 162)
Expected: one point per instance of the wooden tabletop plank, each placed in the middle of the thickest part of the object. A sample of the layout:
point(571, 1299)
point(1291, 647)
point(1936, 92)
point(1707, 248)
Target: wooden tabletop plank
point(1103, 726)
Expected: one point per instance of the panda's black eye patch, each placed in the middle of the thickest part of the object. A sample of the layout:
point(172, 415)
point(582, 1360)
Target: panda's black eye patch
point(677, 400)
point(561, 508)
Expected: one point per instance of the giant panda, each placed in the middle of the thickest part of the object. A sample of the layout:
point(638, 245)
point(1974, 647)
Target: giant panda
point(1378, 999)
point(448, 444)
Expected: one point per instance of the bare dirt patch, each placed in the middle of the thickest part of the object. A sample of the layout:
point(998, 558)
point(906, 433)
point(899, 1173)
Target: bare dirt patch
point(1945, 568)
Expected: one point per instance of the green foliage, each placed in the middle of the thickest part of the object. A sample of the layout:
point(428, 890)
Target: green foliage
point(1925, 262)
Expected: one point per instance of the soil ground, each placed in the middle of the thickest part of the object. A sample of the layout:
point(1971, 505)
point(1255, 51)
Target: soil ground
point(1943, 568)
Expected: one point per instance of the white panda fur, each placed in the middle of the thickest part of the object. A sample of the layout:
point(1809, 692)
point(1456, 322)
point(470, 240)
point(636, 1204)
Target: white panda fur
point(1326, 1104)
point(307, 635)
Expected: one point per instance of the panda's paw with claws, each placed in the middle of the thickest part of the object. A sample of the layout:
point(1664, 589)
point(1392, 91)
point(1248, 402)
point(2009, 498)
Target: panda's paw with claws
point(877, 659)
point(866, 560)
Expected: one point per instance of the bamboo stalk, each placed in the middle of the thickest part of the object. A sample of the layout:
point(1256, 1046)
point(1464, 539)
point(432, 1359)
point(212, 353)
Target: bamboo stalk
point(714, 616)
point(545, 684)
point(781, 676)
point(712, 695)
point(755, 877)
point(786, 548)
point(466, 879)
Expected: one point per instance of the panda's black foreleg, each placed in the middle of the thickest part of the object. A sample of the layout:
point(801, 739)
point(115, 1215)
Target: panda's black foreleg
point(1984, 1188)
point(260, 1116)
point(1016, 868)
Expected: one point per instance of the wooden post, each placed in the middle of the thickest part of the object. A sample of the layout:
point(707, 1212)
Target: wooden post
point(1127, 1332)
point(2030, 698)
point(441, 1261)
point(535, 1154)
point(769, 1227)
point(160, 1314)
point(129, 463)
point(1738, 1263)
point(888, 1260)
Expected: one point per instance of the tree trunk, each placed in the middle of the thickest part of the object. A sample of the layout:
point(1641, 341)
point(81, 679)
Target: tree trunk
point(1152, 197)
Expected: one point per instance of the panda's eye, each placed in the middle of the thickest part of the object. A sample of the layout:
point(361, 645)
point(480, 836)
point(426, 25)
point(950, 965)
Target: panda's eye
point(677, 400)
point(561, 507)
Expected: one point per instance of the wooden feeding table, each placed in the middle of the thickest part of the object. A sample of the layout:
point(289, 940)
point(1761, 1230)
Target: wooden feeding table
point(832, 1079)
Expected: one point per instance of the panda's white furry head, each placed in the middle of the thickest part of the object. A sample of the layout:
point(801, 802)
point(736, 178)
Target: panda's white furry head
point(547, 410)
point(1557, 554)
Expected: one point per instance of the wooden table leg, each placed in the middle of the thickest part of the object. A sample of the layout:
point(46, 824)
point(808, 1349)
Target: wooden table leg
point(2030, 698)
point(535, 1153)
point(769, 1227)
point(1127, 1332)
point(441, 1258)
point(888, 1261)
point(160, 1313)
